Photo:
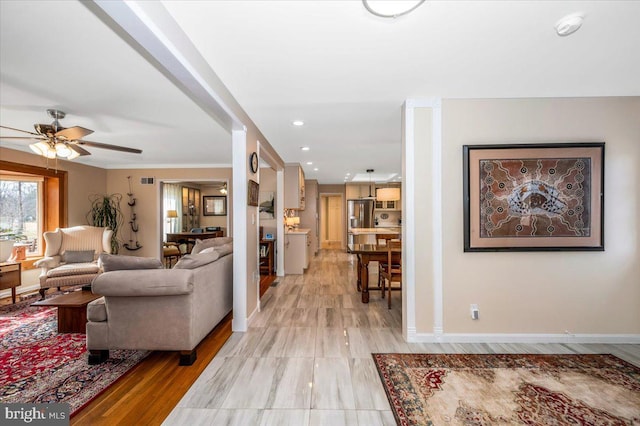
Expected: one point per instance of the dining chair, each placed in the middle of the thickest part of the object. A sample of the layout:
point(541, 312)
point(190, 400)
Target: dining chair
point(382, 240)
point(392, 269)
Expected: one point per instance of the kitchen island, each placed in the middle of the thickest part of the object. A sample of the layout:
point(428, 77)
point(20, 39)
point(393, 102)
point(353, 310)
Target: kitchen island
point(368, 235)
point(297, 250)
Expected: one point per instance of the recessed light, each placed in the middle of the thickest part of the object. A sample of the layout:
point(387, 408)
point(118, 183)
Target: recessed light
point(569, 24)
point(298, 123)
point(309, 163)
point(305, 148)
point(315, 169)
point(348, 174)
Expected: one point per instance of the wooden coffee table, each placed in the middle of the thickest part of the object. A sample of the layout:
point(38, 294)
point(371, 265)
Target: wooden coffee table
point(72, 310)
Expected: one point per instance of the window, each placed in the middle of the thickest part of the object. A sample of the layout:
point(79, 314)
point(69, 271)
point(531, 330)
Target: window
point(42, 195)
point(21, 203)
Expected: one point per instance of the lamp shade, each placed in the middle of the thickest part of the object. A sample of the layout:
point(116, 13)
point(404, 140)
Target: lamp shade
point(388, 194)
point(292, 221)
point(172, 213)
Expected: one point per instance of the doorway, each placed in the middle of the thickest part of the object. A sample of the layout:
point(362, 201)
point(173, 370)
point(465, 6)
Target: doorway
point(267, 223)
point(331, 224)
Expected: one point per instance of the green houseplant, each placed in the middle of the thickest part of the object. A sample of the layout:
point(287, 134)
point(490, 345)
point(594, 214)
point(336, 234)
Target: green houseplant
point(105, 212)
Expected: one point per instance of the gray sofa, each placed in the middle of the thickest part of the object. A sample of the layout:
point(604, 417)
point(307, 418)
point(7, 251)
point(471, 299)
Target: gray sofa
point(160, 309)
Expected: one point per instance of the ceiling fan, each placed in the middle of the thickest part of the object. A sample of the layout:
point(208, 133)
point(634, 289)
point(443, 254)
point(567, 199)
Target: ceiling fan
point(53, 140)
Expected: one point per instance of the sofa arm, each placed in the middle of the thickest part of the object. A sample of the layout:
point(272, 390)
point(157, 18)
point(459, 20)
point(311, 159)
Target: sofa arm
point(48, 262)
point(144, 282)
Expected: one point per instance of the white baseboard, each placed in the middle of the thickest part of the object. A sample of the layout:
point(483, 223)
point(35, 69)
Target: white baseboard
point(247, 322)
point(525, 338)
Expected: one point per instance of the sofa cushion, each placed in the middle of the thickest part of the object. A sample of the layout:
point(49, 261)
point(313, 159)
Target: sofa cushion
point(73, 269)
point(210, 242)
point(224, 249)
point(97, 311)
point(115, 262)
point(192, 261)
point(78, 256)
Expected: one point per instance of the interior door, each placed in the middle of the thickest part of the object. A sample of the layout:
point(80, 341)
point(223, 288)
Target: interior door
point(334, 211)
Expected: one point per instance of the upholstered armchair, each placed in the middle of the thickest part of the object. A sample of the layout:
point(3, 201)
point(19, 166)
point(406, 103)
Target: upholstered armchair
point(71, 256)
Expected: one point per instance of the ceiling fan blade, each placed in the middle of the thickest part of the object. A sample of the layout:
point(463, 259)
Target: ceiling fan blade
point(80, 150)
point(21, 138)
point(73, 133)
point(18, 130)
point(108, 146)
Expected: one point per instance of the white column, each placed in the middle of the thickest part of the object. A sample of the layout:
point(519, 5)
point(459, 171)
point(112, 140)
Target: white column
point(239, 187)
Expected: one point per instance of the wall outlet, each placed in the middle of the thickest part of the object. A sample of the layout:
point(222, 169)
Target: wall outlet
point(475, 313)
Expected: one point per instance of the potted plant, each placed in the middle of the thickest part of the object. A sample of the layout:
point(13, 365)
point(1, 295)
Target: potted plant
point(105, 212)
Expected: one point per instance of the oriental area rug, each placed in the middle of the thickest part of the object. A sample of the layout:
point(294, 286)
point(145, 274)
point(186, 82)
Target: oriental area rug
point(499, 389)
point(39, 365)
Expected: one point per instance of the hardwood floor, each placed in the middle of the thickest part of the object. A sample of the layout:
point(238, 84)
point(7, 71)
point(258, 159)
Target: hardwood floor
point(265, 282)
point(148, 393)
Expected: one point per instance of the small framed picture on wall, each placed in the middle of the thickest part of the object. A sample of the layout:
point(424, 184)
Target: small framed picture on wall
point(214, 205)
point(253, 193)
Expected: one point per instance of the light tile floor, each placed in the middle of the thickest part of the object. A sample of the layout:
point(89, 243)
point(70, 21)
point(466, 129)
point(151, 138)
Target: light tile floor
point(306, 358)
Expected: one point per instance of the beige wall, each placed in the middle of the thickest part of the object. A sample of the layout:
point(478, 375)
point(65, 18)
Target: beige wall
point(268, 184)
point(148, 201)
point(540, 292)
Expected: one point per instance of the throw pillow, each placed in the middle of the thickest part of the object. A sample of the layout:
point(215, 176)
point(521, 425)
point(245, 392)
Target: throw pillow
point(210, 242)
point(224, 249)
point(114, 262)
point(192, 261)
point(78, 256)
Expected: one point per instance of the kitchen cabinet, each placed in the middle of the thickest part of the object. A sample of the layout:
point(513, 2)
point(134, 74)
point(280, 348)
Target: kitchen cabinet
point(358, 190)
point(294, 191)
point(297, 251)
point(387, 205)
point(309, 216)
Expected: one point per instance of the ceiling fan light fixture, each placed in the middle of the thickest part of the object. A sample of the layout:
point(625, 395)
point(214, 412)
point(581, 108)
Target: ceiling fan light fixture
point(73, 154)
point(43, 149)
point(62, 150)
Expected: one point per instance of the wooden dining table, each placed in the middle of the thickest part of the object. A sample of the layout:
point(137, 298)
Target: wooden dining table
point(368, 253)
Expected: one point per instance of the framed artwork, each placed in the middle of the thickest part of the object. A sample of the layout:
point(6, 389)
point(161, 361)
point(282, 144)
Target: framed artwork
point(267, 205)
point(214, 205)
point(534, 197)
point(253, 193)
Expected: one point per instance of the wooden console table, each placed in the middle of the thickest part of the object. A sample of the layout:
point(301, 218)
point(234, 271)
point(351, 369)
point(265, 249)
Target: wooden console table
point(189, 238)
point(10, 277)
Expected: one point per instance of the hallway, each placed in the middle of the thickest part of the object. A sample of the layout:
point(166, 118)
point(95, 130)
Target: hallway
point(306, 359)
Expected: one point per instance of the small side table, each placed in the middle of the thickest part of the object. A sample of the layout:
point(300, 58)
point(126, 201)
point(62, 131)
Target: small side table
point(10, 277)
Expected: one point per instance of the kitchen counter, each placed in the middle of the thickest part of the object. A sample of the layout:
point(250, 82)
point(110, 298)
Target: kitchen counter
point(373, 231)
point(298, 231)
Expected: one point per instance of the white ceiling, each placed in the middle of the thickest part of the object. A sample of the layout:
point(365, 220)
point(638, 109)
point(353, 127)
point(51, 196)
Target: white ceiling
point(342, 70)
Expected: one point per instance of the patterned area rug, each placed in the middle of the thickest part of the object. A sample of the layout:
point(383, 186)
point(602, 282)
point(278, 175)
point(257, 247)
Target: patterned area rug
point(38, 365)
point(437, 389)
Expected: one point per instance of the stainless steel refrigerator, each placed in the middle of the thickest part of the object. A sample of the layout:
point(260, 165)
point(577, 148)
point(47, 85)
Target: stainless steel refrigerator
point(359, 215)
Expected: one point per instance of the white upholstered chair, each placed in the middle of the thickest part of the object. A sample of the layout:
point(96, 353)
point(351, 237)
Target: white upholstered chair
point(71, 256)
